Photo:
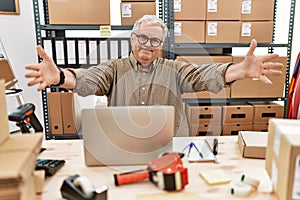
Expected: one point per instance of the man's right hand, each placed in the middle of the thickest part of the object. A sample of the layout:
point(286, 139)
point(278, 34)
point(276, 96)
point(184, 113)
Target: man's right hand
point(45, 73)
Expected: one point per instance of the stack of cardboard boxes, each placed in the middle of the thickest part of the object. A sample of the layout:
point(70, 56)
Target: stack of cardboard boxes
point(231, 118)
point(204, 120)
point(223, 21)
point(236, 118)
point(18, 154)
point(131, 10)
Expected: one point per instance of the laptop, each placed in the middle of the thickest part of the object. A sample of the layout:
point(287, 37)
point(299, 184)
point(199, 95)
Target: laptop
point(126, 135)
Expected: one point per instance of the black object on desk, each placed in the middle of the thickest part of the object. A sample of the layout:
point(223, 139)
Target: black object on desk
point(79, 188)
point(50, 166)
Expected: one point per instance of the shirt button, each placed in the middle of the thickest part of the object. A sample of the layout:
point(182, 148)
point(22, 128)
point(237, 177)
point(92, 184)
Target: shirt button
point(143, 103)
point(144, 73)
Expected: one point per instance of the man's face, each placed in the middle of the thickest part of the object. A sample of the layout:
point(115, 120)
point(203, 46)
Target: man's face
point(144, 43)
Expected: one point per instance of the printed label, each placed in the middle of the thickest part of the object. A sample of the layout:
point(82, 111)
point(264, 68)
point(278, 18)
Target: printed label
point(212, 5)
point(296, 184)
point(177, 5)
point(246, 6)
point(177, 28)
point(126, 10)
point(212, 29)
point(246, 29)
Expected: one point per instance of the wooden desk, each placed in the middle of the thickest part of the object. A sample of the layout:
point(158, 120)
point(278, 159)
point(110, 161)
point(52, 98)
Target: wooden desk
point(229, 160)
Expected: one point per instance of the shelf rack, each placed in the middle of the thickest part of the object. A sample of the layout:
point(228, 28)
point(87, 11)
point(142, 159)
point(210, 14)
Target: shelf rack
point(165, 7)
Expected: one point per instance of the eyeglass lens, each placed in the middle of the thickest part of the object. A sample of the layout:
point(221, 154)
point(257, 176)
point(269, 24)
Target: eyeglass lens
point(143, 39)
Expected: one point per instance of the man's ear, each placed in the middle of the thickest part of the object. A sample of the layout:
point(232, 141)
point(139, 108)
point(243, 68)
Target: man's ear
point(131, 36)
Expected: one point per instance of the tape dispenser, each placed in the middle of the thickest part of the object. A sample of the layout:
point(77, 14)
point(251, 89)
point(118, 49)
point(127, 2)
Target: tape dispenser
point(80, 188)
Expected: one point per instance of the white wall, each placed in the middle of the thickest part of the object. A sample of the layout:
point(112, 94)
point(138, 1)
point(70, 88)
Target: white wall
point(17, 33)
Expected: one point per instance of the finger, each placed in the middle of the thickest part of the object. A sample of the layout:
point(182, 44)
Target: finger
point(253, 46)
point(42, 53)
point(32, 67)
point(42, 86)
point(266, 80)
point(268, 57)
point(32, 74)
point(272, 72)
point(35, 81)
point(271, 65)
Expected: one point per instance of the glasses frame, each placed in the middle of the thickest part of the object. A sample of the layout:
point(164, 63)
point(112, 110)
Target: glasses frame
point(151, 39)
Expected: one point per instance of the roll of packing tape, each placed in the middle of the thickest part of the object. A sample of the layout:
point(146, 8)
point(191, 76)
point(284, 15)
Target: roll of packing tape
point(250, 181)
point(241, 189)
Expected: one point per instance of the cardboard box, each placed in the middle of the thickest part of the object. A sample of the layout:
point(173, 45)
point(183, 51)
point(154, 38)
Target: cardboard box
point(224, 10)
point(237, 113)
point(18, 154)
point(286, 169)
point(39, 179)
point(203, 114)
point(222, 32)
point(253, 144)
point(282, 157)
point(130, 12)
point(263, 111)
point(137, 0)
point(262, 31)
point(71, 112)
point(189, 31)
point(223, 94)
point(190, 9)
point(241, 89)
point(260, 126)
point(234, 128)
point(79, 12)
point(277, 127)
point(7, 73)
point(205, 59)
point(55, 114)
point(257, 10)
point(205, 129)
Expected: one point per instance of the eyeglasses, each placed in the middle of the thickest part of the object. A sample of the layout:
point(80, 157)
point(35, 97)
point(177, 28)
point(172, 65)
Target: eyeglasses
point(143, 39)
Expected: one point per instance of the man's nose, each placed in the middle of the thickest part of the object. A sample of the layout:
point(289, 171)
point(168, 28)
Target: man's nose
point(148, 43)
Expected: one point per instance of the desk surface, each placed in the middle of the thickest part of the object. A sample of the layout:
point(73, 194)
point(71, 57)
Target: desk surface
point(229, 160)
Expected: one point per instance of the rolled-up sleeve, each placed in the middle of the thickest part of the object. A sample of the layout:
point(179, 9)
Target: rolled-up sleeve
point(94, 80)
point(206, 77)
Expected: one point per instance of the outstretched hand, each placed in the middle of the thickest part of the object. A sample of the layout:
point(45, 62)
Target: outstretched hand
point(260, 67)
point(45, 73)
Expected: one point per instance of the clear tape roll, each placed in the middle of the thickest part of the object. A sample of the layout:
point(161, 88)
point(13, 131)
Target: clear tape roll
point(251, 181)
point(241, 189)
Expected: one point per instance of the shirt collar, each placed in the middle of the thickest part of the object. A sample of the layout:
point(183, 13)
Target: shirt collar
point(136, 64)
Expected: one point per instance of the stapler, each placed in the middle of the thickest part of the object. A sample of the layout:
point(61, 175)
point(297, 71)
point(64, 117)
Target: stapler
point(79, 188)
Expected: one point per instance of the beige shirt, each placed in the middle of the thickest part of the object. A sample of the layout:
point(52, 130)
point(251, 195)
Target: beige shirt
point(124, 84)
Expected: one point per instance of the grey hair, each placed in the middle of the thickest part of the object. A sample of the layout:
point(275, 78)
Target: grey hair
point(153, 20)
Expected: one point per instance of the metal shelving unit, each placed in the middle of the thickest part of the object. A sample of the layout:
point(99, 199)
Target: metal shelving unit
point(55, 33)
point(165, 8)
point(195, 49)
